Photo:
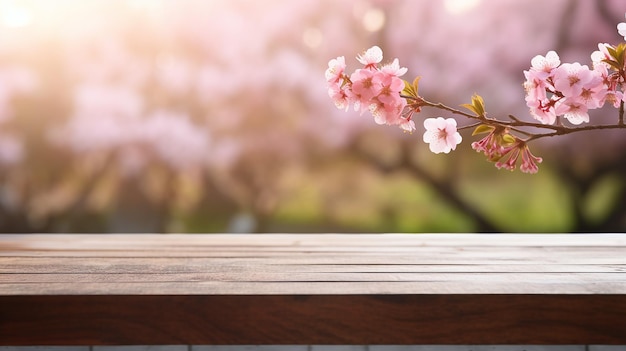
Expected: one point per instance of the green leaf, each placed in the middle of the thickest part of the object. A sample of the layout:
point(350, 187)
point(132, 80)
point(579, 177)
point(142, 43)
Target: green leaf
point(477, 106)
point(508, 139)
point(471, 108)
point(411, 89)
point(612, 63)
point(482, 129)
point(416, 84)
point(619, 54)
point(408, 89)
point(612, 51)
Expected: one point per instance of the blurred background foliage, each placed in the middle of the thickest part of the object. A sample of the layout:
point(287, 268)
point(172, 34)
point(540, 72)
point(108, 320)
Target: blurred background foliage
point(212, 116)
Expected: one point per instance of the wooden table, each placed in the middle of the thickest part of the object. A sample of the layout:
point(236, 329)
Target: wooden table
point(312, 289)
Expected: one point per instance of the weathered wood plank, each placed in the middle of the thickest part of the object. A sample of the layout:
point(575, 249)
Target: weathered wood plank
point(460, 286)
point(116, 265)
point(312, 252)
point(296, 277)
point(312, 289)
point(616, 258)
point(192, 242)
point(313, 319)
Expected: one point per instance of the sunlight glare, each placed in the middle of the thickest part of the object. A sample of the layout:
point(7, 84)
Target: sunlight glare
point(457, 7)
point(15, 17)
point(374, 20)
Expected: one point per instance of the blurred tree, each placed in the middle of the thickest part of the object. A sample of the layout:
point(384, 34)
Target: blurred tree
point(188, 115)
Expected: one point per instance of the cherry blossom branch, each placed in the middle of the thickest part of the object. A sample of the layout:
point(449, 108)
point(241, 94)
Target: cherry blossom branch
point(555, 93)
point(561, 130)
point(516, 123)
point(439, 105)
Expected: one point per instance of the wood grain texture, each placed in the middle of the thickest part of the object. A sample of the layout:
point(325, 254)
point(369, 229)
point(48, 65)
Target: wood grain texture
point(312, 289)
point(313, 319)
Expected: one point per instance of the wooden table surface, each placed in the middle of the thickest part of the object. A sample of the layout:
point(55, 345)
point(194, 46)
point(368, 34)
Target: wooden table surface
point(313, 289)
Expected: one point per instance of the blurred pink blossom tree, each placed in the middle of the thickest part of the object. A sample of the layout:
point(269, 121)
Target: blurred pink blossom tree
point(152, 115)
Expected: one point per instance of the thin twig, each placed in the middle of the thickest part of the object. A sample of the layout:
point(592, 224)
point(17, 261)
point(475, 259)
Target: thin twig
point(517, 125)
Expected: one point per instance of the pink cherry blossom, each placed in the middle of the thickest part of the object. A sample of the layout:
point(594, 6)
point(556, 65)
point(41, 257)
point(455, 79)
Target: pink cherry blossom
point(390, 86)
point(541, 109)
point(601, 69)
point(571, 78)
point(371, 57)
point(491, 145)
point(389, 110)
point(335, 76)
point(513, 153)
point(394, 69)
point(529, 161)
point(574, 110)
point(364, 88)
point(441, 134)
point(539, 87)
point(568, 90)
point(510, 163)
point(335, 70)
point(621, 29)
point(593, 95)
point(370, 88)
point(339, 97)
point(601, 54)
point(535, 85)
point(387, 106)
point(543, 65)
point(407, 125)
point(613, 97)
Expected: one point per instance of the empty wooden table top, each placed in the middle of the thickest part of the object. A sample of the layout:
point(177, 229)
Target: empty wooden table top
point(313, 289)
